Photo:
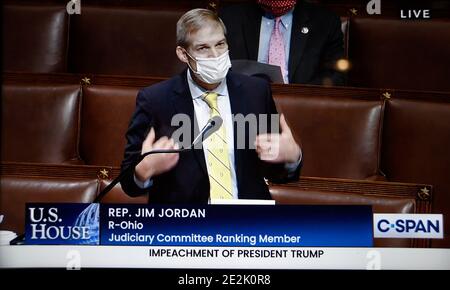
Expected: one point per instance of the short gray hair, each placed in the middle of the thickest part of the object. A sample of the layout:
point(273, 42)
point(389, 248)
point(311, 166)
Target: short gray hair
point(192, 21)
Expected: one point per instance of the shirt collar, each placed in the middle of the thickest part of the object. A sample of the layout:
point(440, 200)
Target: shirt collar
point(286, 19)
point(198, 92)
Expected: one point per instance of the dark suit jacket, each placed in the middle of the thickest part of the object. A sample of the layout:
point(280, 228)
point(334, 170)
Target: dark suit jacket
point(311, 55)
point(188, 181)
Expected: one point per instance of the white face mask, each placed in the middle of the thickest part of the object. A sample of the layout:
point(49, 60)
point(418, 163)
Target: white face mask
point(212, 70)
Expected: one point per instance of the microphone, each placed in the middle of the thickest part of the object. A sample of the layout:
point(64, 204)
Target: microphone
point(211, 126)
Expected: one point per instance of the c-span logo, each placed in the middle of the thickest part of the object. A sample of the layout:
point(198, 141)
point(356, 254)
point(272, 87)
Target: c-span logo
point(425, 226)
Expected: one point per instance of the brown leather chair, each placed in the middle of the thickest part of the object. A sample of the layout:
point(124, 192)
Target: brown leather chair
point(40, 123)
point(124, 41)
point(105, 116)
point(35, 38)
point(339, 136)
point(416, 142)
point(396, 53)
point(18, 190)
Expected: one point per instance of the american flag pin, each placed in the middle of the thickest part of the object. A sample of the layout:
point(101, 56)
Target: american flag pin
point(305, 30)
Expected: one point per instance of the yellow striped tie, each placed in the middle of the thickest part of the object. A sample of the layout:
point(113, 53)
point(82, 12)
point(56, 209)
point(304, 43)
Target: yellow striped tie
point(218, 162)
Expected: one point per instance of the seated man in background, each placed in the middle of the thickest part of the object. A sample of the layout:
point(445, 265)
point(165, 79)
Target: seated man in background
point(221, 169)
point(305, 40)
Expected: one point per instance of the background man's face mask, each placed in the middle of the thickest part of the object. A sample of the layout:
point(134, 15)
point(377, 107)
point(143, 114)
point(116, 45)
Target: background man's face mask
point(277, 7)
point(211, 70)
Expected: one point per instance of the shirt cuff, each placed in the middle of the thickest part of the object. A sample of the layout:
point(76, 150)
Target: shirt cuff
point(291, 167)
point(143, 185)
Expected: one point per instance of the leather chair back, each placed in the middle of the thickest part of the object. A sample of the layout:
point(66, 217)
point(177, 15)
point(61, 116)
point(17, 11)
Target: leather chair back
point(18, 190)
point(416, 146)
point(339, 136)
point(125, 41)
point(40, 123)
point(395, 53)
point(105, 116)
point(35, 38)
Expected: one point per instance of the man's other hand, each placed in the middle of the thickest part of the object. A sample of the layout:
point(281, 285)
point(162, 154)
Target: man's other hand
point(278, 148)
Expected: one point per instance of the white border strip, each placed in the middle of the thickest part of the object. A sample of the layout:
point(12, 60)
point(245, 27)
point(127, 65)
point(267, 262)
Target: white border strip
point(76, 257)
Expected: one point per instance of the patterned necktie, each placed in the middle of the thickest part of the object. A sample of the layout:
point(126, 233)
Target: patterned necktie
point(218, 162)
point(276, 48)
